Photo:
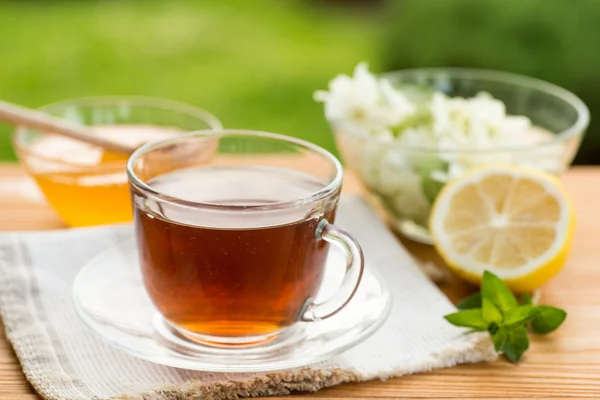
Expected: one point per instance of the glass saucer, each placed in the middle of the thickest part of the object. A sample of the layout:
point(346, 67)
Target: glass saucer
point(111, 299)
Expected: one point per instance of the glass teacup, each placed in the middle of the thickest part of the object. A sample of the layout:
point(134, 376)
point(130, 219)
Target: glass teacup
point(233, 230)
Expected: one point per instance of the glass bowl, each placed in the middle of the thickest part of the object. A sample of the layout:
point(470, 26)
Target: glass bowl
point(84, 184)
point(406, 179)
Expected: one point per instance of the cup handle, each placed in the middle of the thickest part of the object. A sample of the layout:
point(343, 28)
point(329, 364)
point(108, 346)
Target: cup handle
point(354, 269)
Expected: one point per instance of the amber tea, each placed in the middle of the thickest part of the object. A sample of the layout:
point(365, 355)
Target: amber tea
point(224, 276)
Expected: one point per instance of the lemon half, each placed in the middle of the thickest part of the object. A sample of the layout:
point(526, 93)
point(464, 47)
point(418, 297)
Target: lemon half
point(517, 223)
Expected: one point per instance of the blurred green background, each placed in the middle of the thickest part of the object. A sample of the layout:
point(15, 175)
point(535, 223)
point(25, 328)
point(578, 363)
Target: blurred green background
point(256, 63)
point(253, 63)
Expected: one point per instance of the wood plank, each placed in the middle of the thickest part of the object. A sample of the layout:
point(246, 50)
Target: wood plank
point(565, 364)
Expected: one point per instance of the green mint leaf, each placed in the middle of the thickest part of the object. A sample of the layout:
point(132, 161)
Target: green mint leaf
point(490, 312)
point(516, 343)
point(494, 289)
point(499, 339)
point(430, 186)
point(468, 319)
point(521, 314)
point(526, 299)
point(470, 302)
point(547, 319)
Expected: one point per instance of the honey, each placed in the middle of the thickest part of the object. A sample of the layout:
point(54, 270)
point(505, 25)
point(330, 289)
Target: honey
point(85, 184)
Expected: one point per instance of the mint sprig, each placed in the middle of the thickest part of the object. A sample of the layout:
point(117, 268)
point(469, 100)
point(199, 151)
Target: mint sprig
point(496, 310)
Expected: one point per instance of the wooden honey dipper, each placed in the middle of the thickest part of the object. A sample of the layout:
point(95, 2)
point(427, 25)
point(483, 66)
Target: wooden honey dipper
point(22, 116)
point(180, 154)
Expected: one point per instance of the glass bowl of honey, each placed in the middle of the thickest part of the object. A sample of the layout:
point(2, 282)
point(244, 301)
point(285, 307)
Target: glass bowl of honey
point(85, 184)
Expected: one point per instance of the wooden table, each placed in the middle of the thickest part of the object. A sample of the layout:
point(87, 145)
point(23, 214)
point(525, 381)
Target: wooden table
point(564, 364)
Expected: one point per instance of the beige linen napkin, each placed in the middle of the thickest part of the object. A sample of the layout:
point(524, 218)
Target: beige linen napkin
point(63, 359)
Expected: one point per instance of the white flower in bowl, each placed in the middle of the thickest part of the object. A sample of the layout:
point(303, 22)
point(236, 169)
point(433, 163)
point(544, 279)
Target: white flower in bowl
point(364, 102)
